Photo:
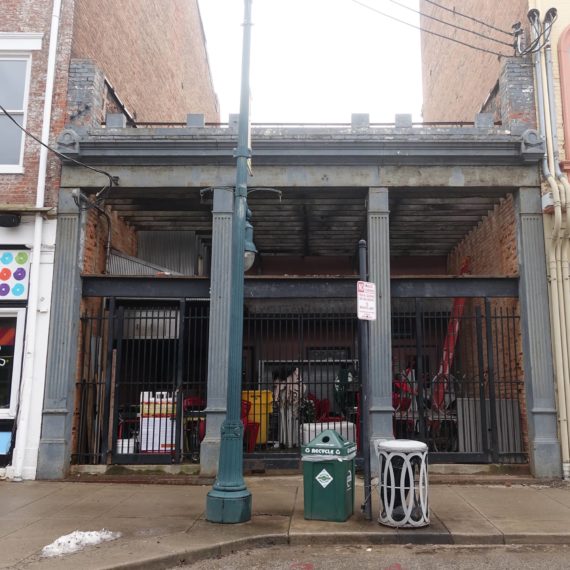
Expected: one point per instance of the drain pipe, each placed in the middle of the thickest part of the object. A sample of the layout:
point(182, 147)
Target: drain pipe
point(552, 246)
point(30, 353)
point(549, 19)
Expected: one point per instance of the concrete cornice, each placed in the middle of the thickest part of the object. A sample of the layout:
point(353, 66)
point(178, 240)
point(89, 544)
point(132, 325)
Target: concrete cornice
point(303, 146)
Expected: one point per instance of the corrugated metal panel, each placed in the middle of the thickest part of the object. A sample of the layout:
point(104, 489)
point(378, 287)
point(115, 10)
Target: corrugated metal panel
point(121, 264)
point(175, 250)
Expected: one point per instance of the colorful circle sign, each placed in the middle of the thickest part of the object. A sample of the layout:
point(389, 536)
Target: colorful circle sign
point(6, 258)
point(18, 290)
point(21, 257)
point(19, 274)
point(4, 289)
point(5, 274)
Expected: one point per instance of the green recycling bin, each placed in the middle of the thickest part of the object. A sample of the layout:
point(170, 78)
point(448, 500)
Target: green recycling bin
point(328, 477)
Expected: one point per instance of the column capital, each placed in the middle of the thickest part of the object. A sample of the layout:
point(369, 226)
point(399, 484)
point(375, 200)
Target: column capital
point(377, 199)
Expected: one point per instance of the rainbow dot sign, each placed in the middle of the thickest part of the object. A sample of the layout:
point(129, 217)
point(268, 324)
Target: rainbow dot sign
point(14, 274)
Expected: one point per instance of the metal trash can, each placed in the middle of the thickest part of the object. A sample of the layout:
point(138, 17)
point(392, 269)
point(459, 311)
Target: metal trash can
point(328, 477)
point(403, 483)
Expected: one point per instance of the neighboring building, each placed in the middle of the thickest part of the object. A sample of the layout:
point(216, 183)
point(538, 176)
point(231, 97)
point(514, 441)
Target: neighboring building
point(144, 57)
point(459, 81)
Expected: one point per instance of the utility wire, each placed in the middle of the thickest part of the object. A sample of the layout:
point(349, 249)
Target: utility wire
point(450, 24)
point(429, 31)
point(456, 13)
point(112, 179)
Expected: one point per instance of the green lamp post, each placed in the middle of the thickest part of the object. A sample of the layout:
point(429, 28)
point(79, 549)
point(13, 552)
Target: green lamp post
point(229, 500)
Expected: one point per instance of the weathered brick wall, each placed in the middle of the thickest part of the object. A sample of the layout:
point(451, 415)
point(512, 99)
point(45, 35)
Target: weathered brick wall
point(123, 238)
point(456, 79)
point(492, 249)
point(28, 16)
point(153, 52)
point(491, 245)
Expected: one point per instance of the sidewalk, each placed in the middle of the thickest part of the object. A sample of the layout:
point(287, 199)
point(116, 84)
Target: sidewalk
point(162, 525)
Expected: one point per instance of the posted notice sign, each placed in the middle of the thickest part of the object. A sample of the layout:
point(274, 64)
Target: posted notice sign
point(366, 300)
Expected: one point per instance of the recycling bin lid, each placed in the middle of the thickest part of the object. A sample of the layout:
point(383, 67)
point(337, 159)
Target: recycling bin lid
point(329, 445)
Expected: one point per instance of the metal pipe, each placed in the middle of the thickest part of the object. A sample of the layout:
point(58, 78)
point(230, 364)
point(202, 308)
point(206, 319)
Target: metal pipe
point(552, 246)
point(229, 500)
point(564, 260)
point(364, 399)
point(27, 394)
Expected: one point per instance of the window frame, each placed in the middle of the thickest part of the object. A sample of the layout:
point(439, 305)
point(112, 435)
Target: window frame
point(9, 413)
point(19, 46)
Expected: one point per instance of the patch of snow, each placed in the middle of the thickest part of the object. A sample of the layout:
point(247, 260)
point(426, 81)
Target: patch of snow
point(78, 540)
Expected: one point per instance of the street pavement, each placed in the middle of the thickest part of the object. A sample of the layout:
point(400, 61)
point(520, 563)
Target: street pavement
point(163, 526)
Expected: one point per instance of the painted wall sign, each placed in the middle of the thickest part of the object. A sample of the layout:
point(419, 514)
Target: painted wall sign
point(14, 274)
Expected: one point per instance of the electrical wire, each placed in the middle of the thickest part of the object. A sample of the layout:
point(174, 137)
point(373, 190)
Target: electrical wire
point(113, 180)
point(429, 31)
point(456, 13)
point(450, 24)
point(536, 45)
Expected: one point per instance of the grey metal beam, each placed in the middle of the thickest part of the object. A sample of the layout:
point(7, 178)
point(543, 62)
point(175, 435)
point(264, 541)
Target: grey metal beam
point(296, 287)
point(489, 180)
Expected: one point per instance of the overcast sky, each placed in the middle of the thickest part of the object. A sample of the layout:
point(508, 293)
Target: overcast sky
point(316, 60)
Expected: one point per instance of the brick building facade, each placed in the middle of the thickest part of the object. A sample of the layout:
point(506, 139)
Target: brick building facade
point(145, 58)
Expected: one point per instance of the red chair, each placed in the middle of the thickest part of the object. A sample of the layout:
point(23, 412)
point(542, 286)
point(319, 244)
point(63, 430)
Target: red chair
point(250, 429)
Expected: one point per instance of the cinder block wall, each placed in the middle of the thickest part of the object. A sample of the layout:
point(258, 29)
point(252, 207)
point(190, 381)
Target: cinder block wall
point(152, 51)
point(456, 80)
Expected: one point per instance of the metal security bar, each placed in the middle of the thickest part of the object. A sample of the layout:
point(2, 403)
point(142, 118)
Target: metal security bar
point(141, 394)
point(457, 378)
point(300, 377)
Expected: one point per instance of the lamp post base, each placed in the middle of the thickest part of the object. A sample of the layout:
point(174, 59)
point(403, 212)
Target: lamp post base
point(228, 507)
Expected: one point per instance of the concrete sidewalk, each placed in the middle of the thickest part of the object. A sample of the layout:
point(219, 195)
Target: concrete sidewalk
point(162, 525)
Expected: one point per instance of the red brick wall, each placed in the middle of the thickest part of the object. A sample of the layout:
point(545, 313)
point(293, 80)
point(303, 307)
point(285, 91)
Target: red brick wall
point(153, 53)
point(123, 238)
point(456, 79)
point(26, 16)
point(491, 246)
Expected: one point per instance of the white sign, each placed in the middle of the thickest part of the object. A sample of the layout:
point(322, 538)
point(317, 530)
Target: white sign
point(366, 300)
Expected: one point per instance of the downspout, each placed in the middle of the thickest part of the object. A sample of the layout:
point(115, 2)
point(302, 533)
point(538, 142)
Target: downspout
point(549, 20)
point(26, 391)
point(552, 247)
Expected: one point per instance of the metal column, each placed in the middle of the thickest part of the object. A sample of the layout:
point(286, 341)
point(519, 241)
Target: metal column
point(380, 364)
point(218, 344)
point(544, 447)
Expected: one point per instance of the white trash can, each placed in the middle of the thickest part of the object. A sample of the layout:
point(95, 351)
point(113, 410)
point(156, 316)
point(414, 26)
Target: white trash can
point(403, 483)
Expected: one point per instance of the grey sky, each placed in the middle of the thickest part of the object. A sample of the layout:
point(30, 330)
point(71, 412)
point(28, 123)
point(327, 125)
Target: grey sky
point(316, 60)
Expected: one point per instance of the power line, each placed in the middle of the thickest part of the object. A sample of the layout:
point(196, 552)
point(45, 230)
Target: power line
point(112, 179)
point(450, 24)
point(456, 13)
point(429, 31)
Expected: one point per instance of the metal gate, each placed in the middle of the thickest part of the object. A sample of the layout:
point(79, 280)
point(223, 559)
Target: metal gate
point(142, 388)
point(457, 378)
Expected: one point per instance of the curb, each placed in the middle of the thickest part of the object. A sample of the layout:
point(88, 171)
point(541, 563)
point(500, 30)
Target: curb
point(400, 538)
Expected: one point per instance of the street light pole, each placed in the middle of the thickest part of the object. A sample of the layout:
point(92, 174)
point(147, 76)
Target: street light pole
point(229, 501)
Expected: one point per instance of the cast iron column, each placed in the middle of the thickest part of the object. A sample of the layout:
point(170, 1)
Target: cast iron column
point(229, 501)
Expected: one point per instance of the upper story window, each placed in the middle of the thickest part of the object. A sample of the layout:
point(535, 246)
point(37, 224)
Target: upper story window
point(15, 67)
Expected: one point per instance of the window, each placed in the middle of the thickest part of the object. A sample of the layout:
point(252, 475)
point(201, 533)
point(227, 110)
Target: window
point(15, 65)
point(11, 345)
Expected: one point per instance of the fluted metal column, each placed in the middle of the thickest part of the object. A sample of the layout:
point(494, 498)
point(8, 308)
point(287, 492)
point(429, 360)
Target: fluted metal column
point(544, 446)
point(54, 451)
point(219, 336)
point(380, 351)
